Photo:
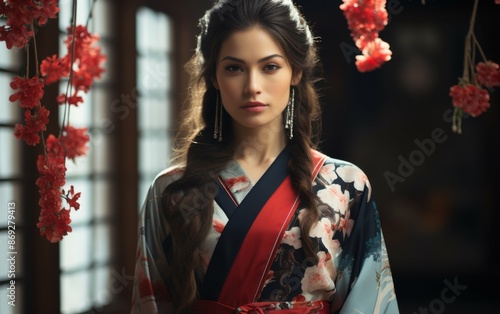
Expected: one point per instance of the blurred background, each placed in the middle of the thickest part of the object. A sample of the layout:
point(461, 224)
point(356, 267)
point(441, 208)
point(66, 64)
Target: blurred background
point(439, 217)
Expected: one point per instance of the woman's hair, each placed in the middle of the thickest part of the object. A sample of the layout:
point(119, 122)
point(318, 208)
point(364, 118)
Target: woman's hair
point(188, 202)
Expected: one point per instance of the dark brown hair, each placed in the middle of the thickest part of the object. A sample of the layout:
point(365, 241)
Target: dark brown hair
point(188, 202)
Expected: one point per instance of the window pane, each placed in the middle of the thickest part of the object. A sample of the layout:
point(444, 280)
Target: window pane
point(153, 75)
point(153, 113)
point(10, 192)
point(75, 249)
point(75, 292)
point(102, 23)
point(82, 12)
point(88, 246)
point(81, 116)
point(11, 258)
point(10, 154)
point(80, 166)
point(104, 289)
point(10, 110)
point(103, 102)
point(7, 296)
point(153, 153)
point(153, 82)
point(101, 146)
point(102, 243)
point(103, 191)
point(9, 58)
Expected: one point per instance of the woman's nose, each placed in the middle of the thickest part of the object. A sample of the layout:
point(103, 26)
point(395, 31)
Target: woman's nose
point(253, 86)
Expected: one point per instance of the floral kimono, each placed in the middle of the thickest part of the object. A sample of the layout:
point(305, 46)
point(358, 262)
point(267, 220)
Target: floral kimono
point(253, 256)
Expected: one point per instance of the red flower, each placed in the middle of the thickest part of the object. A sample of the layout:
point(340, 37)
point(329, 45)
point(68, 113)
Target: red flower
point(71, 144)
point(15, 37)
point(375, 53)
point(72, 198)
point(48, 10)
point(30, 91)
point(487, 74)
point(53, 69)
point(34, 124)
point(52, 170)
point(87, 58)
point(54, 221)
point(54, 224)
point(74, 100)
point(21, 14)
point(82, 80)
point(365, 17)
point(23, 133)
point(470, 98)
point(74, 141)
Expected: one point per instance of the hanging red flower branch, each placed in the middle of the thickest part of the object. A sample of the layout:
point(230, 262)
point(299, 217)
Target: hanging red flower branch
point(365, 19)
point(470, 95)
point(81, 66)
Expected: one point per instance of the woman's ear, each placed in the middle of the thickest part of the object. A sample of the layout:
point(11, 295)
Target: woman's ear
point(296, 78)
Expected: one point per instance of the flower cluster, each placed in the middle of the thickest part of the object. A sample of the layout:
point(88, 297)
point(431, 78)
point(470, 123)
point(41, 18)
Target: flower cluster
point(87, 60)
point(471, 94)
point(21, 17)
point(54, 221)
point(81, 65)
point(365, 19)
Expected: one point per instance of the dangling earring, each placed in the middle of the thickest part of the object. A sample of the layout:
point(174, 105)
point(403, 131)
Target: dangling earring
point(218, 120)
point(289, 114)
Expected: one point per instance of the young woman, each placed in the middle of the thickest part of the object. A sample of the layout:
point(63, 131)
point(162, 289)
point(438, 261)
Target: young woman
point(251, 218)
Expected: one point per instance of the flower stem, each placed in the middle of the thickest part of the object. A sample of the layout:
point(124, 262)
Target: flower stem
point(468, 42)
point(90, 13)
point(27, 48)
point(35, 49)
point(479, 47)
point(71, 72)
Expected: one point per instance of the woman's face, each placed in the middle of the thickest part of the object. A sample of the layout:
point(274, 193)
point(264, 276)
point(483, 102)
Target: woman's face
point(254, 79)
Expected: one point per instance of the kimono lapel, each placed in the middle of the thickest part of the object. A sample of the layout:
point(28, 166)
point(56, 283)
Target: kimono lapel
point(237, 228)
point(225, 199)
point(244, 253)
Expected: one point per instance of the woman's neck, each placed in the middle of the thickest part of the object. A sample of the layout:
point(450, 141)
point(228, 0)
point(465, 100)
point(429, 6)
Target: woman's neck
point(256, 149)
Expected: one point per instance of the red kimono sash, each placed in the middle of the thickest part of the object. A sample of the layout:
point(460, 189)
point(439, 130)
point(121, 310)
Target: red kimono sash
point(247, 247)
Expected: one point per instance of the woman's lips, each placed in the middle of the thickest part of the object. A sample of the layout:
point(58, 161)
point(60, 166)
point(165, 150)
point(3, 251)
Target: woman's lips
point(254, 106)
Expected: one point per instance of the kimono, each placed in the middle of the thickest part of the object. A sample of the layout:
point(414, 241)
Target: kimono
point(253, 260)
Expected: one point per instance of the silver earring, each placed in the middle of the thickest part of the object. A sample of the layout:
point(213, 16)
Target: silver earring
point(218, 120)
point(289, 114)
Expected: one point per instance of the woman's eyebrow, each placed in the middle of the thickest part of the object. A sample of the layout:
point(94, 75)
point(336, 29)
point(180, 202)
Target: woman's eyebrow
point(259, 61)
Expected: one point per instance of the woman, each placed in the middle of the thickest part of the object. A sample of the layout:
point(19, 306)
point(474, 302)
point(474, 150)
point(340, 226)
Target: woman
point(222, 230)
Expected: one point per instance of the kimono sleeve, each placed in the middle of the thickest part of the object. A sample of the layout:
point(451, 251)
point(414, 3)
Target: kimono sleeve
point(372, 287)
point(150, 290)
point(366, 285)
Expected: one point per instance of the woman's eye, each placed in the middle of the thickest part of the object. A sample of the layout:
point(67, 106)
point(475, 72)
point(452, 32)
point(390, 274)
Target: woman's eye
point(233, 68)
point(271, 67)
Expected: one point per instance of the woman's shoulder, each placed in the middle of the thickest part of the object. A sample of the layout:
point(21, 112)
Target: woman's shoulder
point(335, 164)
point(338, 169)
point(167, 176)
